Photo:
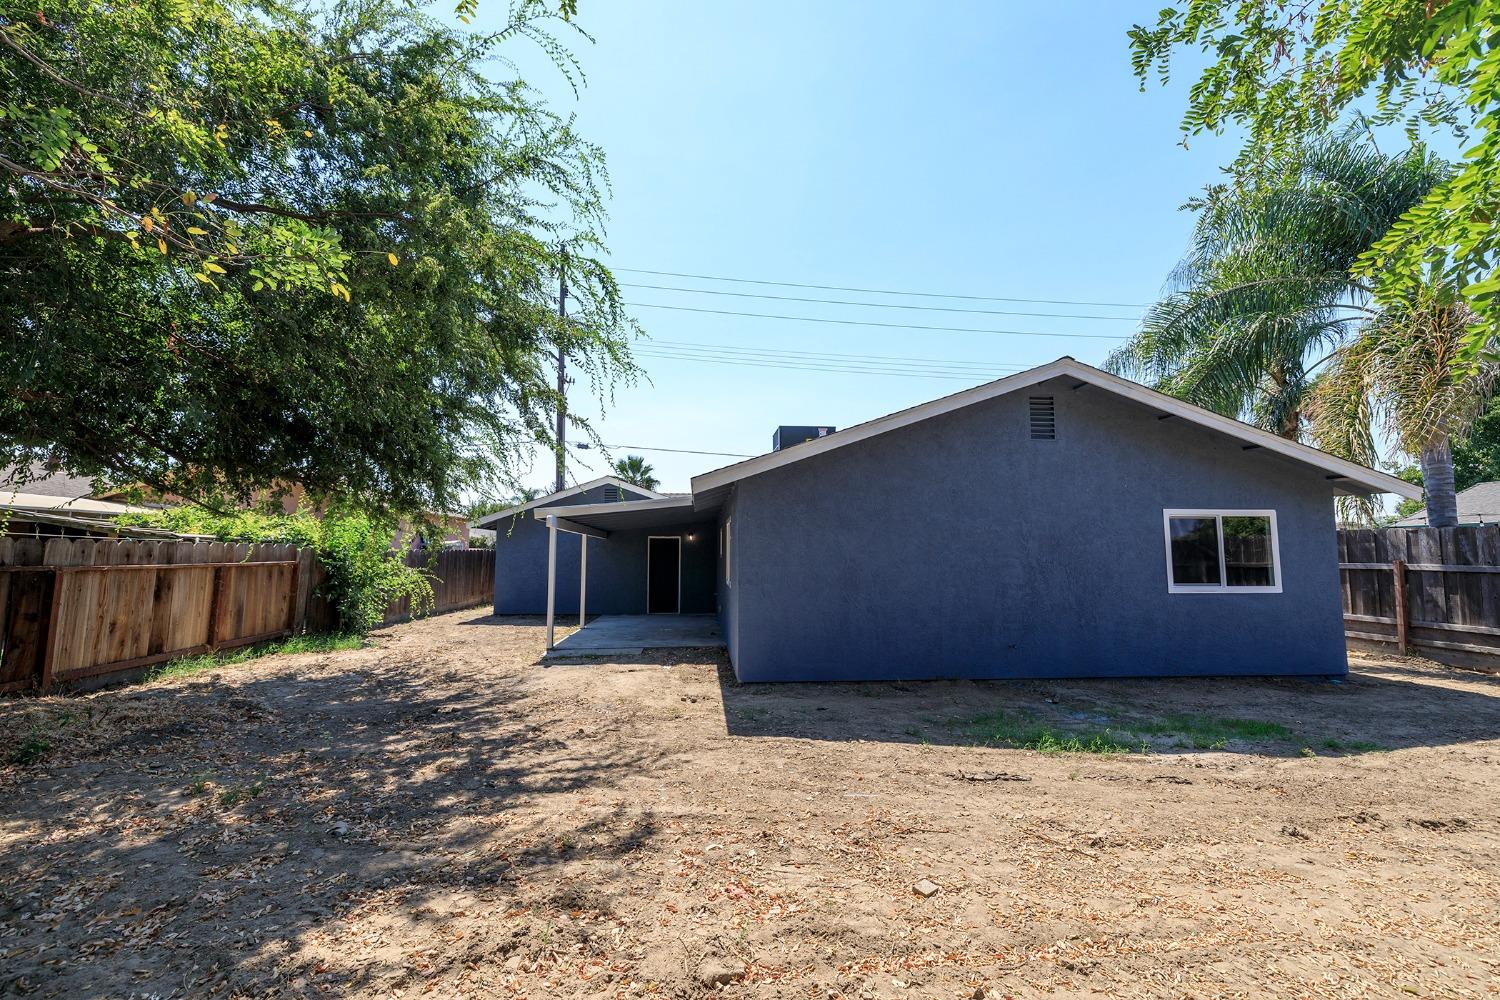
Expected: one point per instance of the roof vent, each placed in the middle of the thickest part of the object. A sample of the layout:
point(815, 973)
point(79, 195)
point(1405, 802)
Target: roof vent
point(613, 494)
point(1043, 419)
point(786, 436)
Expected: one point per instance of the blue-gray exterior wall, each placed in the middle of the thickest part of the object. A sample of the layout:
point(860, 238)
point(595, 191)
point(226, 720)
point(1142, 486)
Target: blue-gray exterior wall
point(728, 594)
point(617, 566)
point(959, 547)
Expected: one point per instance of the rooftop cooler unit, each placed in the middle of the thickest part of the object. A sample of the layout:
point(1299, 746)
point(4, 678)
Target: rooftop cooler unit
point(786, 436)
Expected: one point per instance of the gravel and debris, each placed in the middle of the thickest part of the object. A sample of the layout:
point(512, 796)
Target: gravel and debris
point(439, 815)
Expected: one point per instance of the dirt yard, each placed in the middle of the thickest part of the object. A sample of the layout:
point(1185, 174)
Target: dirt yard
point(438, 815)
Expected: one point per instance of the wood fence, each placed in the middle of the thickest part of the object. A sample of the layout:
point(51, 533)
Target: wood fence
point(1432, 588)
point(83, 609)
point(462, 578)
point(74, 609)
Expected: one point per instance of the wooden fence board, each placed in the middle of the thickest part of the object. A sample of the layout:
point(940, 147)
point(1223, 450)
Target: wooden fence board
point(1452, 585)
point(93, 607)
point(120, 605)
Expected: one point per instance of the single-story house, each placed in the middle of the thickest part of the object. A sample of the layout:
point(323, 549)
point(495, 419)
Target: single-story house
point(1060, 522)
point(1479, 504)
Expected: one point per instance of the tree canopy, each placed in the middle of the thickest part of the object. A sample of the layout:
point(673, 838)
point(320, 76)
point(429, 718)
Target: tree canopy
point(244, 244)
point(1284, 72)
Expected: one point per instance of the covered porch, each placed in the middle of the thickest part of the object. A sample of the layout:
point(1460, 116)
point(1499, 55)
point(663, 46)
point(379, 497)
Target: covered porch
point(656, 556)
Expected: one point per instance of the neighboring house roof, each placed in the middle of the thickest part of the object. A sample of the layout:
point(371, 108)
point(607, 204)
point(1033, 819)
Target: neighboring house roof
point(490, 520)
point(49, 484)
point(62, 504)
point(1479, 504)
point(1347, 476)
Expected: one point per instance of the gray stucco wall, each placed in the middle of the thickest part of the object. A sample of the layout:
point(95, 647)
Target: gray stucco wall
point(959, 547)
point(617, 567)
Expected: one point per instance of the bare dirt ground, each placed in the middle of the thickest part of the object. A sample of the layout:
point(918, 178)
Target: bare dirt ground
point(438, 815)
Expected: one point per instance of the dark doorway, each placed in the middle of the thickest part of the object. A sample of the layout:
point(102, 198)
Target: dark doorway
point(663, 575)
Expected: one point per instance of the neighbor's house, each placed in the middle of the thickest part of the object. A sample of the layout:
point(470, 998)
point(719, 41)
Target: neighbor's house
point(1061, 522)
point(1479, 504)
point(46, 504)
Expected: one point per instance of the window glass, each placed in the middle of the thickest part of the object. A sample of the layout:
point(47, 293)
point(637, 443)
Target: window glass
point(1195, 550)
point(1247, 551)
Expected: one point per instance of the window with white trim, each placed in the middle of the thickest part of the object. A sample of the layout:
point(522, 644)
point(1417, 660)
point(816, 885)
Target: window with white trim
point(728, 548)
point(1222, 551)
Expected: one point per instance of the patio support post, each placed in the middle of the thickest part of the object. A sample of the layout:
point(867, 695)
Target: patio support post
point(551, 573)
point(583, 575)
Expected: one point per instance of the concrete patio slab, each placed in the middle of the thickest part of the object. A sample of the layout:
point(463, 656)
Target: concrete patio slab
point(611, 635)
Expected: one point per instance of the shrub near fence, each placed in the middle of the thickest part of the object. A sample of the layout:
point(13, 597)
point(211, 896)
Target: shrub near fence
point(1435, 588)
point(464, 578)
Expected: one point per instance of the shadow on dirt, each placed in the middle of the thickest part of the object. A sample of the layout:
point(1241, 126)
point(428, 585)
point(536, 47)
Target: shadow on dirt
point(197, 839)
point(1381, 706)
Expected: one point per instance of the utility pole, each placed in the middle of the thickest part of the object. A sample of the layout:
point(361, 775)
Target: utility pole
point(562, 380)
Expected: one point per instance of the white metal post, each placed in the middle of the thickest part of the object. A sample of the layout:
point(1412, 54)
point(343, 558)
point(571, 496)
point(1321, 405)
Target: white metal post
point(551, 573)
point(583, 575)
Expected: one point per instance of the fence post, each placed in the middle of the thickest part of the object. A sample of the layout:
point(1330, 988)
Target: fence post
point(213, 608)
point(49, 639)
point(291, 601)
point(1398, 575)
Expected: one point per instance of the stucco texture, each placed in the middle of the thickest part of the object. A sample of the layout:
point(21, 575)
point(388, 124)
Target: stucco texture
point(617, 566)
point(960, 547)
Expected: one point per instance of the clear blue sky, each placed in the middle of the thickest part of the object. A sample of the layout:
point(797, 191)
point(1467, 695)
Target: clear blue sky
point(976, 148)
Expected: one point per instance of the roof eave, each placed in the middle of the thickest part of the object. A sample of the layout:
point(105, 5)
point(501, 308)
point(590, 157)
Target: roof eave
point(489, 520)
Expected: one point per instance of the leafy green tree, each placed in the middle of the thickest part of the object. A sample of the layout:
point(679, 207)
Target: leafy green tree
point(1282, 72)
point(245, 244)
point(635, 469)
point(521, 495)
point(1267, 288)
point(1476, 455)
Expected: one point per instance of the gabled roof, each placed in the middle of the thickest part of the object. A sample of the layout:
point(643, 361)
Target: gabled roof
point(1479, 504)
point(1352, 476)
point(491, 519)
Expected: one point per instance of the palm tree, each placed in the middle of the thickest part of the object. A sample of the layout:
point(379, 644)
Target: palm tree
point(1268, 284)
point(1406, 372)
point(634, 469)
point(1269, 294)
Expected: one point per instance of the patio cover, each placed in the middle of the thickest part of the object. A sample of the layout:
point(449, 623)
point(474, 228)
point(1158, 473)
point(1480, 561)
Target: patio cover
point(598, 521)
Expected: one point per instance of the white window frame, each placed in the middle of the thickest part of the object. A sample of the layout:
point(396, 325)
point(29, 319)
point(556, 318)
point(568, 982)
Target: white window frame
point(728, 549)
point(1222, 587)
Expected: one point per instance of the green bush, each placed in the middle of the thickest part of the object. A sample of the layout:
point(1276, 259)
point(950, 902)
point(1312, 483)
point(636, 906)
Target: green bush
point(364, 572)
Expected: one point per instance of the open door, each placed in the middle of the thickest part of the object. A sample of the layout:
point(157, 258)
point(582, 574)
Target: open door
point(663, 575)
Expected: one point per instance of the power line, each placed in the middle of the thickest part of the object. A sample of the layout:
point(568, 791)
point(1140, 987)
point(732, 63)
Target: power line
point(679, 451)
point(865, 322)
point(957, 367)
point(973, 377)
point(878, 305)
point(652, 342)
point(883, 291)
